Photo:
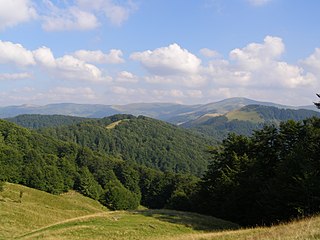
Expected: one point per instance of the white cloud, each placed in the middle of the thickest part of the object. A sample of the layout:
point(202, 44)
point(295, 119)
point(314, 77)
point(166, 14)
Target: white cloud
point(125, 92)
point(258, 65)
point(71, 18)
point(290, 76)
point(126, 77)
point(168, 60)
point(114, 56)
point(15, 76)
point(13, 12)
point(222, 73)
point(68, 67)
point(116, 14)
point(256, 55)
point(45, 57)
point(312, 63)
point(258, 2)
point(184, 80)
point(11, 53)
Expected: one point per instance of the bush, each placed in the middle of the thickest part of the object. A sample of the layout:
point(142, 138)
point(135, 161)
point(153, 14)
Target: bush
point(117, 197)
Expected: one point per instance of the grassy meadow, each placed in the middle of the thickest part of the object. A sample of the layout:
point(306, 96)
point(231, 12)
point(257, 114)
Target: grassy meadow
point(39, 215)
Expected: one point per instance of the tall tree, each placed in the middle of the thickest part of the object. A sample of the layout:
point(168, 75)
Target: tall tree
point(317, 103)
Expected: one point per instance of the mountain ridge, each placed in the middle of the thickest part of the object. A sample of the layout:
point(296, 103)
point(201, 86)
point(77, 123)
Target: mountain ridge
point(170, 112)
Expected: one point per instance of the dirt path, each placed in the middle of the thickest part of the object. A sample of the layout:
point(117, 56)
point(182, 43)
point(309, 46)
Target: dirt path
point(81, 218)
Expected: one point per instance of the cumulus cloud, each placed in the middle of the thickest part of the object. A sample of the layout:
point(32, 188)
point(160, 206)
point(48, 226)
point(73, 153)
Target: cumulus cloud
point(68, 67)
point(114, 56)
point(14, 12)
point(126, 77)
point(44, 57)
point(11, 53)
point(256, 55)
point(168, 60)
point(258, 65)
point(312, 63)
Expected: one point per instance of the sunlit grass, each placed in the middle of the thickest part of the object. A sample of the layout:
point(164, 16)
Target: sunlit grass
point(40, 215)
point(244, 116)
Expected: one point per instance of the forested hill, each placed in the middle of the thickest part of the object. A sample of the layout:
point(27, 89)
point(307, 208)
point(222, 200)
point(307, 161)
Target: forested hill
point(245, 120)
point(142, 140)
point(55, 166)
point(36, 121)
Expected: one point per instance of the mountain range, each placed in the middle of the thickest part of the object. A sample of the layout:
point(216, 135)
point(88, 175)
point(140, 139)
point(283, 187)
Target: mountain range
point(169, 112)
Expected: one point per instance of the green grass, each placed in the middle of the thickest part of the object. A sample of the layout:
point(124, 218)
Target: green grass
point(244, 116)
point(114, 124)
point(38, 209)
point(72, 216)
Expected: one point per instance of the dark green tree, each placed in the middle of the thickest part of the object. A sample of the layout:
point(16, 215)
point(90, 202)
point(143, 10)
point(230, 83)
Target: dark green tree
point(117, 197)
point(317, 103)
point(87, 185)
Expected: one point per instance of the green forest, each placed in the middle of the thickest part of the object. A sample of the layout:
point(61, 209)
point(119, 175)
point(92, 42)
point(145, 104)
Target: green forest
point(125, 161)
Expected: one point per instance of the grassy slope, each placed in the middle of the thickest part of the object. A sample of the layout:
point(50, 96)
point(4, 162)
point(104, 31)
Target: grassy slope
point(38, 209)
point(244, 116)
point(72, 216)
point(114, 124)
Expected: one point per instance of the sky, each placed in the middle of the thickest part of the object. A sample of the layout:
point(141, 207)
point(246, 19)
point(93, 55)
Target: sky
point(179, 51)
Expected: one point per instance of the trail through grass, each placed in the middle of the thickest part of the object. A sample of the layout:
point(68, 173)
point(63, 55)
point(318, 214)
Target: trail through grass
point(72, 216)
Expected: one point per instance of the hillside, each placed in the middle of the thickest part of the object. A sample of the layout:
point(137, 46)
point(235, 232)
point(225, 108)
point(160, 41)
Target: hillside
point(55, 166)
point(245, 120)
point(169, 112)
point(68, 216)
point(141, 140)
point(36, 121)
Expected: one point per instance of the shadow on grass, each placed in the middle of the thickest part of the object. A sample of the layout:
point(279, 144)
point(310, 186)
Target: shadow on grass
point(192, 220)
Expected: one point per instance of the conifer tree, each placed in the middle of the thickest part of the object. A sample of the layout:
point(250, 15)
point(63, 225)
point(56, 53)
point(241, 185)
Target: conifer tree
point(317, 103)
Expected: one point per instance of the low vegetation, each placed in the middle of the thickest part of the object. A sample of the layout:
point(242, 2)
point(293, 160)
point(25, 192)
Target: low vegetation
point(68, 216)
point(40, 215)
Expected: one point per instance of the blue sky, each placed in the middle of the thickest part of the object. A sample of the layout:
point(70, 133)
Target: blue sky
point(191, 51)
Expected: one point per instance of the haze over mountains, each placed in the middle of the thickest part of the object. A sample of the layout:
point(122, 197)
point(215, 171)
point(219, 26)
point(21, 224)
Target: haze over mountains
point(170, 112)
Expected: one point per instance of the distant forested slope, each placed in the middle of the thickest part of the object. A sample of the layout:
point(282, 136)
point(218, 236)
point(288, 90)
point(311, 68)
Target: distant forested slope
point(245, 120)
point(36, 121)
point(142, 140)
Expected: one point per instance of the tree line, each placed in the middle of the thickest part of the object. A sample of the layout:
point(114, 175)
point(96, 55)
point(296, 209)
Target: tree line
point(271, 176)
point(56, 166)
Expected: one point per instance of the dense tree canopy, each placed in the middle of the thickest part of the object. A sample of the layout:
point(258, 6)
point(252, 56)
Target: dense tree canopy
point(55, 166)
point(271, 176)
point(140, 140)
